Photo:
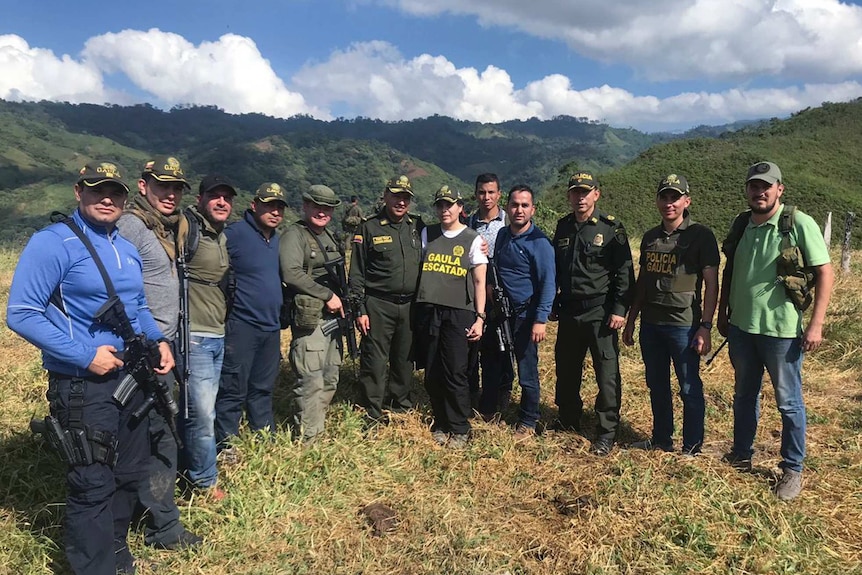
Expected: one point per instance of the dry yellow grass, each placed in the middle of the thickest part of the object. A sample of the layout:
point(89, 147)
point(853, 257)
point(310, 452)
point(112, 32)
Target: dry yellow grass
point(540, 507)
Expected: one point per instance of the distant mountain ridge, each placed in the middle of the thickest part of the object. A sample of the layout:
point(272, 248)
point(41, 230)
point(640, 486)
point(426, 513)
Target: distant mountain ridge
point(42, 144)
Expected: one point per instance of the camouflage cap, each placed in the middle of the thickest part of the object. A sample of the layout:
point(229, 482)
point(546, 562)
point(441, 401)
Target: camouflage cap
point(582, 180)
point(674, 182)
point(322, 196)
point(270, 192)
point(399, 184)
point(166, 169)
point(95, 173)
point(766, 171)
point(447, 194)
point(214, 181)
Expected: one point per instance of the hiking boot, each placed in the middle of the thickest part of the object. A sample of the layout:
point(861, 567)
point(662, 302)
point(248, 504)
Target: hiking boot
point(737, 461)
point(184, 540)
point(524, 432)
point(440, 437)
point(602, 446)
point(650, 445)
point(789, 486)
point(458, 441)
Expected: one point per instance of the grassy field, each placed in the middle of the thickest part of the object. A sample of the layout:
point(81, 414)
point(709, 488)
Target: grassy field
point(542, 507)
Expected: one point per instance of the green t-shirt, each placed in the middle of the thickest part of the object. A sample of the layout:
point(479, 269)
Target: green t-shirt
point(758, 304)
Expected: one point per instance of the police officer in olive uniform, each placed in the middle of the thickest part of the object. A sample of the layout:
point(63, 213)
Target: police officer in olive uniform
point(305, 250)
point(594, 277)
point(384, 272)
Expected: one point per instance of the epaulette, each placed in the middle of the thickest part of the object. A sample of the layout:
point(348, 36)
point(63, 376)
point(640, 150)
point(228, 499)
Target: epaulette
point(609, 219)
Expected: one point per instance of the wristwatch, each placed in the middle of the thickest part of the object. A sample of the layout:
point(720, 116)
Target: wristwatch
point(706, 324)
point(481, 315)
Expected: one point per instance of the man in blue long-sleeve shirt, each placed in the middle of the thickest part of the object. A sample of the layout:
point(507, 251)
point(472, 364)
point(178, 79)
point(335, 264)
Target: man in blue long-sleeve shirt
point(55, 294)
point(525, 263)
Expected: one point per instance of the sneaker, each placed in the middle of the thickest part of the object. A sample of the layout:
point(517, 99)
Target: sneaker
point(737, 461)
point(214, 493)
point(650, 445)
point(602, 446)
point(440, 437)
point(458, 441)
point(524, 432)
point(228, 456)
point(184, 540)
point(691, 451)
point(789, 486)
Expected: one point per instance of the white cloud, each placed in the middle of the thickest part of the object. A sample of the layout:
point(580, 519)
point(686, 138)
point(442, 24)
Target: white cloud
point(809, 40)
point(229, 73)
point(37, 74)
point(375, 80)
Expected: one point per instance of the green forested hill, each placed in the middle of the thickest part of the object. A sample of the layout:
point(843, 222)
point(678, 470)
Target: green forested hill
point(40, 150)
point(819, 151)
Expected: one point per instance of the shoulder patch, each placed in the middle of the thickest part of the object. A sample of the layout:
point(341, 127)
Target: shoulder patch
point(357, 239)
point(620, 235)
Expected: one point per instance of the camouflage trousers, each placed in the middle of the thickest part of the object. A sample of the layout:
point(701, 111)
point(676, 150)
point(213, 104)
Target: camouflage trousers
point(316, 360)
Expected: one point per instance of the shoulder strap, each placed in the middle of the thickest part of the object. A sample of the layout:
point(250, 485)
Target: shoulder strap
point(194, 236)
point(109, 285)
point(737, 228)
point(785, 225)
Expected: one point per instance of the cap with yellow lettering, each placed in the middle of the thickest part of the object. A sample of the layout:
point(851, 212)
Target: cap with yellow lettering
point(447, 194)
point(166, 169)
point(270, 192)
point(674, 182)
point(399, 184)
point(583, 181)
point(95, 173)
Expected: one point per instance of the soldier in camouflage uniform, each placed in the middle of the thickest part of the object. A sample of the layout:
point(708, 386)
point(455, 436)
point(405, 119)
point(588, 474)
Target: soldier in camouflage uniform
point(594, 277)
point(304, 248)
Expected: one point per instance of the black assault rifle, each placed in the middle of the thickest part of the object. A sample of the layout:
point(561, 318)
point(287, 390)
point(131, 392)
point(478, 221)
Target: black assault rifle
point(140, 357)
point(505, 316)
point(335, 269)
point(184, 331)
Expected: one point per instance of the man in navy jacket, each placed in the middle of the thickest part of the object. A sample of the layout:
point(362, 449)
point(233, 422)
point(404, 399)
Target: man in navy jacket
point(252, 334)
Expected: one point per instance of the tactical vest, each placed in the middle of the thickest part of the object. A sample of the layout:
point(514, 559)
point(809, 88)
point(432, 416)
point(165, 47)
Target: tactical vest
point(673, 287)
point(790, 269)
point(304, 311)
point(445, 278)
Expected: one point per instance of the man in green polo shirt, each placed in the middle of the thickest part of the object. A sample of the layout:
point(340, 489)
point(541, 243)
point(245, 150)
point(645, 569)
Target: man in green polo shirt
point(764, 327)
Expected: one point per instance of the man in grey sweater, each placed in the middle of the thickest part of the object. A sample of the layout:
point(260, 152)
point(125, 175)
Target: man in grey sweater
point(151, 223)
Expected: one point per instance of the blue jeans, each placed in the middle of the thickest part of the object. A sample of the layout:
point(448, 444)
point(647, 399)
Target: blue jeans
point(781, 357)
point(205, 361)
point(498, 370)
point(662, 345)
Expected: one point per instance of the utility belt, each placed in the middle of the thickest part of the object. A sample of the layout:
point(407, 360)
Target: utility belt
point(581, 305)
point(77, 443)
point(390, 297)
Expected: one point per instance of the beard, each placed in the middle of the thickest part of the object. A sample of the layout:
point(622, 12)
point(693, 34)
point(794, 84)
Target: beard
point(763, 210)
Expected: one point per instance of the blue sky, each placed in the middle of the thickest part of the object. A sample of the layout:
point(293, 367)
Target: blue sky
point(658, 65)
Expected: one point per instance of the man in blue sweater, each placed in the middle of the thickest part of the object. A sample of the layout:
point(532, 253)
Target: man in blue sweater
point(253, 332)
point(55, 295)
point(525, 263)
